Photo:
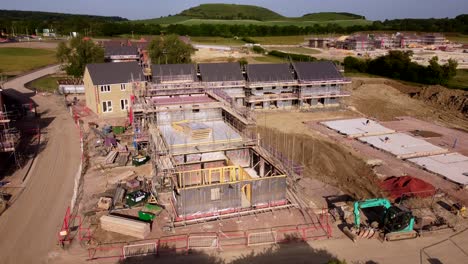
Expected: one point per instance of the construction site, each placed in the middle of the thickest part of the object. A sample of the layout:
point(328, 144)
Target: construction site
point(196, 166)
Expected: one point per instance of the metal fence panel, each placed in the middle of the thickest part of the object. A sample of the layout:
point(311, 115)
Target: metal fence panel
point(203, 242)
point(139, 250)
point(261, 238)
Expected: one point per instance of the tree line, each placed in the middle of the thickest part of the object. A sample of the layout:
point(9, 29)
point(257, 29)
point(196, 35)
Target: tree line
point(398, 65)
point(108, 27)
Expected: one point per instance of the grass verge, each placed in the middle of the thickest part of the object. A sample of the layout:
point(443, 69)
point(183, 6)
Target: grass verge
point(44, 84)
point(17, 60)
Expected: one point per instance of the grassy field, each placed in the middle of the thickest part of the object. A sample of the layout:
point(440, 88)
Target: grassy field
point(300, 50)
point(280, 40)
point(44, 84)
point(460, 81)
point(266, 59)
point(459, 38)
point(18, 60)
point(217, 41)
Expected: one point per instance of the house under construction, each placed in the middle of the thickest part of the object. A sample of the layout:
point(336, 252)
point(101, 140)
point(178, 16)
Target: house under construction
point(195, 121)
point(8, 137)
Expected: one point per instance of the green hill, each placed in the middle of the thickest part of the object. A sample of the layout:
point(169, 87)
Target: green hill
point(230, 11)
point(231, 14)
point(328, 16)
point(17, 15)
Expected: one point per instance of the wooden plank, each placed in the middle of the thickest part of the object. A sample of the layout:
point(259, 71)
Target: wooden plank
point(124, 226)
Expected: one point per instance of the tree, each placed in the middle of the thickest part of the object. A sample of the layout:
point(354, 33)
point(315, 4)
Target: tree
point(77, 54)
point(170, 50)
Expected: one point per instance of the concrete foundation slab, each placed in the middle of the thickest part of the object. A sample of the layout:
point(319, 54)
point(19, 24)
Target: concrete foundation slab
point(452, 166)
point(357, 127)
point(402, 145)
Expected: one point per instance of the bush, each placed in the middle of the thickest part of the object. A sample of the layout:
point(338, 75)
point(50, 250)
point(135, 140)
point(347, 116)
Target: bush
point(292, 56)
point(398, 65)
point(248, 40)
point(258, 49)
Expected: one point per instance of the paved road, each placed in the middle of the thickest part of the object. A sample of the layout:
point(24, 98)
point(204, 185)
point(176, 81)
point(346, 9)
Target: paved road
point(28, 229)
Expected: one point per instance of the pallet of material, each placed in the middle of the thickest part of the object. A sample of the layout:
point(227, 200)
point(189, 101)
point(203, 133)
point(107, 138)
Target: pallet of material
point(111, 157)
point(122, 158)
point(124, 226)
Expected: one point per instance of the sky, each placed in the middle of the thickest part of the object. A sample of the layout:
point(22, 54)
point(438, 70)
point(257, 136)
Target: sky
point(143, 9)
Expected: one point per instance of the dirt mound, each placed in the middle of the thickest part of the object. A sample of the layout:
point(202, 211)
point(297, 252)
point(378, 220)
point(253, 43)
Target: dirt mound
point(386, 99)
point(325, 161)
point(407, 186)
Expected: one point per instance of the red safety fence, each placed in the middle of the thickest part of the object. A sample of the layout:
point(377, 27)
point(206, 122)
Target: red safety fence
point(216, 240)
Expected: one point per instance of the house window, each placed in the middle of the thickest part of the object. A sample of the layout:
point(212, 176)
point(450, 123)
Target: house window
point(333, 84)
point(195, 110)
point(105, 88)
point(215, 194)
point(124, 104)
point(122, 87)
point(107, 106)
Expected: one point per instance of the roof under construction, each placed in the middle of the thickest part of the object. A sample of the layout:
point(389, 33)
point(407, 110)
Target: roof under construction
point(120, 51)
point(221, 72)
point(314, 71)
point(269, 72)
point(113, 73)
point(174, 72)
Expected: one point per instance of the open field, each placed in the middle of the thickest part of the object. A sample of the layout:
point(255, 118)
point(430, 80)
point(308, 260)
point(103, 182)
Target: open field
point(18, 60)
point(217, 41)
point(44, 84)
point(460, 81)
point(280, 40)
point(267, 59)
point(458, 38)
point(300, 50)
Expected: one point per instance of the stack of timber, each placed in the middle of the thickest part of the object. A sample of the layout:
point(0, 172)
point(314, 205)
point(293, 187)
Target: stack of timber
point(122, 158)
point(110, 158)
point(196, 131)
point(124, 226)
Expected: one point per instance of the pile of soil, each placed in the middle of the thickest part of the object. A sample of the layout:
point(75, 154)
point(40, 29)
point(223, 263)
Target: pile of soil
point(386, 99)
point(325, 161)
point(407, 186)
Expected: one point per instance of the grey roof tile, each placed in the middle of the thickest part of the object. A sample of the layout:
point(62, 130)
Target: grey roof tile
point(111, 73)
point(269, 72)
point(312, 71)
point(220, 72)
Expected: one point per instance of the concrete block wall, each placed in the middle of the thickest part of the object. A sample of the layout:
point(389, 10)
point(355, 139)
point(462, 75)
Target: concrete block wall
point(200, 115)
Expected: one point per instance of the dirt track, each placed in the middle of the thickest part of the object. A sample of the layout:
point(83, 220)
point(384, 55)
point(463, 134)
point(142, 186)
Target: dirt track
point(28, 229)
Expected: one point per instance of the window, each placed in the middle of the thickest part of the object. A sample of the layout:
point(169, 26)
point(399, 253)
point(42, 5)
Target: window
point(107, 106)
point(333, 84)
point(259, 88)
point(105, 88)
point(124, 104)
point(215, 194)
point(122, 87)
point(195, 110)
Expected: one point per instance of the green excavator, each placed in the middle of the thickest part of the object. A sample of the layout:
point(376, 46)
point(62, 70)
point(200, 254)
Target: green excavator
point(397, 222)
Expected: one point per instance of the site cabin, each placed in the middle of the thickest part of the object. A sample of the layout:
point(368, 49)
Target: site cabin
point(109, 86)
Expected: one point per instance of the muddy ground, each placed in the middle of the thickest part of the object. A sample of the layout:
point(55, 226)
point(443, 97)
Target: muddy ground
point(386, 99)
point(339, 165)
